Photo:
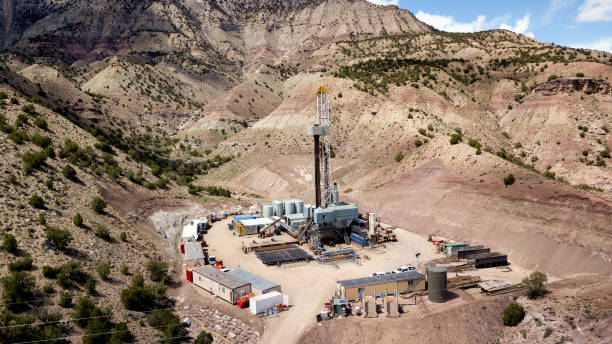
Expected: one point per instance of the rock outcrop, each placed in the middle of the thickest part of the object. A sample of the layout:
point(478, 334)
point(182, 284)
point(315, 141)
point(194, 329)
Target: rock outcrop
point(568, 85)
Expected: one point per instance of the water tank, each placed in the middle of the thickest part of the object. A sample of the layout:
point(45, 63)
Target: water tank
point(307, 210)
point(268, 211)
point(289, 207)
point(278, 208)
point(299, 206)
point(436, 284)
point(334, 196)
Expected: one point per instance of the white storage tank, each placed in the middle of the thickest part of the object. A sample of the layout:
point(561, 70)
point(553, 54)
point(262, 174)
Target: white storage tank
point(278, 208)
point(299, 206)
point(259, 304)
point(289, 207)
point(307, 210)
point(372, 223)
point(268, 211)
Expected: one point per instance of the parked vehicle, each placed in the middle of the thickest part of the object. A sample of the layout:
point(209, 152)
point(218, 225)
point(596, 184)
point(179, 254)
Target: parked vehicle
point(404, 269)
point(379, 273)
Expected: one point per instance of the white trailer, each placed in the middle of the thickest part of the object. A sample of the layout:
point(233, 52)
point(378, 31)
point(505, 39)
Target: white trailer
point(261, 303)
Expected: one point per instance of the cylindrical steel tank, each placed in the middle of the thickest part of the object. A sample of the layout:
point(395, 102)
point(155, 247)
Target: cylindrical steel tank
point(436, 284)
point(289, 207)
point(278, 208)
point(268, 211)
point(299, 206)
point(335, 195)
point(372, 223)
point(307, 210)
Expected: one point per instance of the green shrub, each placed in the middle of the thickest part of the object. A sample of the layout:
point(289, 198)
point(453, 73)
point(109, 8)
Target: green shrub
point(509, 179)
point(42, 220)
point(21, 265)
point(40, 140)
point(158, 270)
point(90, 286)
point(3, 95)
point(140, 297)
point(32, 160)
point(70, 273)
point(48, 288)
point(69, 172)
point(29, 109)
point(580, 75)
point(123, 236)
point(49, 184)
point(548, 332)
point(9, 244)
point(455, 138)
point(124, 270)
point(14, 101)
point(36, 202)
point(399, 157)
point(103, 270)
point(605, 154)
point(65, 301)
point(103, 233)
point(169, 324)
point(21, 120)
point(41, 123)
point(49, 272)
point(121, 334)
point(418, 143)
point(82, 311)
point(535, 284)
point(474, 143)
point(77, 220)
point(98, 205)
point(18, 288)
point(204, 338)
point(513, 314)
point(18, 136)
point(59, 238)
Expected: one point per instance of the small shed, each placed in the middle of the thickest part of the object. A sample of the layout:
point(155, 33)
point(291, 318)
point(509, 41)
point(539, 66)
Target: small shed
point(403, 282)
point(190, 233)
point(259, 285)
point(219, 283)
point(194, 254)
point(251, 226)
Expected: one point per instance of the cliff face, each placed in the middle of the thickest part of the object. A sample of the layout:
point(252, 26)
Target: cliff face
point(90, 30)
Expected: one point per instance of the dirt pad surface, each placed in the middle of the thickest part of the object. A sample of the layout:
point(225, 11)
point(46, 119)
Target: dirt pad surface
point(477, 322)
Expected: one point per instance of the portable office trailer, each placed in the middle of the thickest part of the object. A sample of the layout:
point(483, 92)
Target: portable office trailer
point(251, 226)
point(259, 304)
point(259, 285)
point(221, 284)
point(402, 282)
point(190, 233)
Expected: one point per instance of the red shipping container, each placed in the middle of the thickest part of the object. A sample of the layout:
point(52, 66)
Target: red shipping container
point(183, 248)
point(189, 275)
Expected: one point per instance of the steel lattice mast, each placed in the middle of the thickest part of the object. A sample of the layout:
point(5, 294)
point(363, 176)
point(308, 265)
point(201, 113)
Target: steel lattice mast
point(324, 121)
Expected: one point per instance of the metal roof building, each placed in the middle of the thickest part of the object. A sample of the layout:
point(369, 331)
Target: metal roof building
point(219, 283)
point(403, 282)
point(259, 285)
point(194, 254)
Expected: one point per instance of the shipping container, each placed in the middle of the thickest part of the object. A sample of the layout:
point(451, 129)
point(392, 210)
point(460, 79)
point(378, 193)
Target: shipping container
point(189, 275)
point(259, 304)
point(182, 247)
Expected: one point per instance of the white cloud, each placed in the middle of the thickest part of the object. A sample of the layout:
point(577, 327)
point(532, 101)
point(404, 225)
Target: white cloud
point(595, 10)
point(520, 26)
point(603, 44)
point(555, 6)
point(448, 23)
point(385, 2)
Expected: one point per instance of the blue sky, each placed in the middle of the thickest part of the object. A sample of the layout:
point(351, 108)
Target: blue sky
point(574, 23)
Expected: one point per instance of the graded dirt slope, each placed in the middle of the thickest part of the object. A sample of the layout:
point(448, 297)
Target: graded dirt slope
point(544, 226)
